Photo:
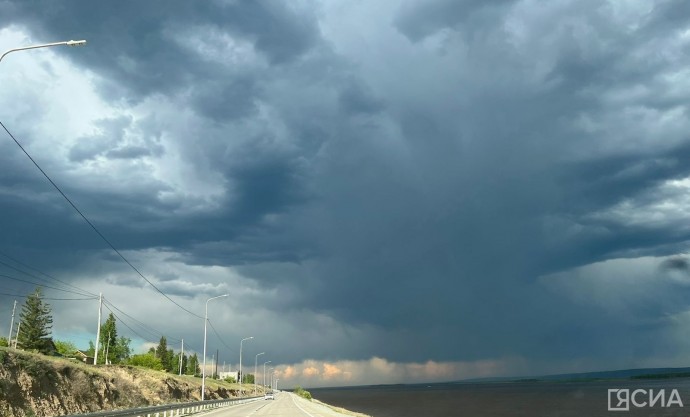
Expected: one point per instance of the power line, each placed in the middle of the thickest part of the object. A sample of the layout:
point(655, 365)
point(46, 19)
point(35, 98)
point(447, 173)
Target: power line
point(40, 279)
point(149, 329)
point(50, 299)
point(40, 272)
point(40, 285)
point(125, 324)
point(91, 224)
point(218, 336)
point(146, 327)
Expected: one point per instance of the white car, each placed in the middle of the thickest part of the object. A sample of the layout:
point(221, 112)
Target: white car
point(269, 396)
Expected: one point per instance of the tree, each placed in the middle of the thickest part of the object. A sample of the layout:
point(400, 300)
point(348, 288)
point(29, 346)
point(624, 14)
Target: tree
point(172, 363)
point(248, 379)
point(91, 350)
point(65, 347)
point(4, 342)
point(122, 350)
point(184, 363)
point(147, 360)
point(108, 341)
point(163, 353)
point(35, 325)
point(193, 367)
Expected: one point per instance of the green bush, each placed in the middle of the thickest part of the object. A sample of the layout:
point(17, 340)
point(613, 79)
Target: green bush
point(147, 360)
point(303, 393)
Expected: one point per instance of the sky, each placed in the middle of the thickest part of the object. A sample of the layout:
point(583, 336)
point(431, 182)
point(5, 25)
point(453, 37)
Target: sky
point(389, 191)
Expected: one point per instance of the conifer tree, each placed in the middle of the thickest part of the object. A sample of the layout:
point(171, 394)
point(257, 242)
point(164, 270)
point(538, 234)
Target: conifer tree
point(162, 353)
point(36, 323)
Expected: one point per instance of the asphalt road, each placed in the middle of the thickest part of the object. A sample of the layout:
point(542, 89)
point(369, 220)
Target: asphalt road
point(285, 404)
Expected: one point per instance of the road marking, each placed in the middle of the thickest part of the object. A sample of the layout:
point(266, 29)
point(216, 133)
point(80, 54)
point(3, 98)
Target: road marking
point(262, 406)
point(298, 406)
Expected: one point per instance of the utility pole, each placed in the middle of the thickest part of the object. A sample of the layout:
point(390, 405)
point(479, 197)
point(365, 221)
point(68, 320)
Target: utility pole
point(16, 340)
point(9, 339)
point(217, 358)
point(98, 331)
point(181, 355)
point(107, 349)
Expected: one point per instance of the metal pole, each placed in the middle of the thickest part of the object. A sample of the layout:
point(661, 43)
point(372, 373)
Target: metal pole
point(107, 349)
point(181, 355)
point(265, 373)
point(9, 338)
point(240, 375)
point(255, 359)
point(203, 370)
point(98, 330)
point(16, 340)
point(45, 45)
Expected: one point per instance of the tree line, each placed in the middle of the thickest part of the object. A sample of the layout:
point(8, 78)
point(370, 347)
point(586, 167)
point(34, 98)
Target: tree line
point(34, 334)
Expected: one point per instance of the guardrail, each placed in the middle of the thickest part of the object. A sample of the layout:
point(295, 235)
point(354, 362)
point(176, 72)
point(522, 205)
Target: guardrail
point(169, 410)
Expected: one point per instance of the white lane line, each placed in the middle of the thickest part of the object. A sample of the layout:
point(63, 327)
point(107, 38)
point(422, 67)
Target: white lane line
point(262, 406)
point(298, 406)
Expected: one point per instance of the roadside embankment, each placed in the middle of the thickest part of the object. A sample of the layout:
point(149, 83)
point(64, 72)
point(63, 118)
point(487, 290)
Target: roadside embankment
point(41, 386)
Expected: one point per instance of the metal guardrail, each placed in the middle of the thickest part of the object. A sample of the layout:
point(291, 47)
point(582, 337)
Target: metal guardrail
point(169, 410)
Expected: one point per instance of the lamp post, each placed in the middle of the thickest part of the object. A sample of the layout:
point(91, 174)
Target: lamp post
point(241, 376)
point(277, 384)
point(45, 45)
point(203, 370)
point(265, 373)
point(255, 359)
point(270, 378)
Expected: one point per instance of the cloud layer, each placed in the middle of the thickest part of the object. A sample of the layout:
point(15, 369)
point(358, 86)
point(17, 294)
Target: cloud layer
point(500, 179)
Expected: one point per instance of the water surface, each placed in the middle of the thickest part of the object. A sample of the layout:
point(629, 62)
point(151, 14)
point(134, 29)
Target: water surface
point(529, 399)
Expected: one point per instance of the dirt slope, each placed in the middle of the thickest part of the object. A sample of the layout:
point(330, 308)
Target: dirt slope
point(36, 385)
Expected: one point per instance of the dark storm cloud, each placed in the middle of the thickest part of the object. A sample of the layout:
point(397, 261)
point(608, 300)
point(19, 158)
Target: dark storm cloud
point(356, 99)
point(145, 58)
point(226, 100)
point(421, 203)
point(418, 19)
point(676, 264)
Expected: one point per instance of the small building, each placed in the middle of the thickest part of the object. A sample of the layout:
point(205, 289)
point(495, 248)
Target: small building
point(80, 355)
point(229, 374)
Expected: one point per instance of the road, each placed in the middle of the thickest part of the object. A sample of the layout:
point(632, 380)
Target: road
point(286, 404)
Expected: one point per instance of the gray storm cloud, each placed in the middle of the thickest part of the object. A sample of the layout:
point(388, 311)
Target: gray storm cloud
point(390, 172)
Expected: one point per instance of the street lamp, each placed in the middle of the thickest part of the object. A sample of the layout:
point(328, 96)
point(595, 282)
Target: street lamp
point(255, 359)
point(45, 45)
point(277, 384)
point(241, 376)
point(270, 377)
point(203, 370)
point(265, 373)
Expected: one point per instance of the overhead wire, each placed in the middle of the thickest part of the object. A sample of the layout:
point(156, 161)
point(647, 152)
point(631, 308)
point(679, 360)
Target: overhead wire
point(40, 285)
point(125, 324)
point(38, 271)
point(49, 298)
point(152, 331)
point(218, 335)
point(95, 229)
point(141, 324)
